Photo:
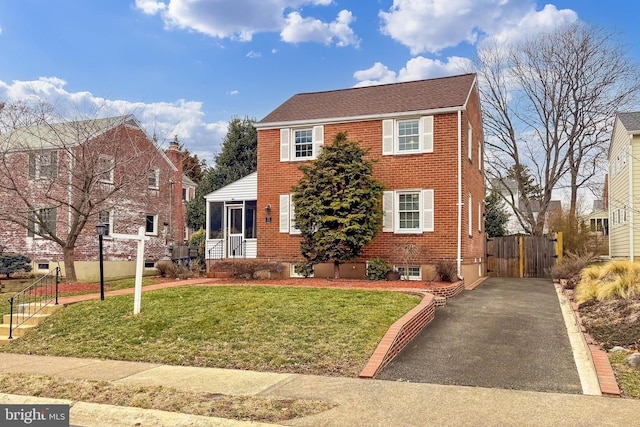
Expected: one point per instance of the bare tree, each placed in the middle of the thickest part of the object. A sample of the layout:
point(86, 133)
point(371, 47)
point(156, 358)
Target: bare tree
point(549, 105)
point(57, 176)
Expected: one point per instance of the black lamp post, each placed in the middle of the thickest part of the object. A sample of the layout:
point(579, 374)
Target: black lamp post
point(101, 229)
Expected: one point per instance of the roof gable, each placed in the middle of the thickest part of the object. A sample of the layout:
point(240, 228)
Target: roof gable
point(245, 188)
point(631, 121)
point(420, 95)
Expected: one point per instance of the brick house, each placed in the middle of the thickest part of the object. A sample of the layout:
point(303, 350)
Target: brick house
point(427, 139)
point(55, 164)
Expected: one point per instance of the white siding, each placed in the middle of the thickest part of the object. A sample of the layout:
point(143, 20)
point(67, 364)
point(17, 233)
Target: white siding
point(243, 189)
point(251, 248)
point(619, 238)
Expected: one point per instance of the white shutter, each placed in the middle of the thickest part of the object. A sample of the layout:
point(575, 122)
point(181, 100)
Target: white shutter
point(318, 140)
point(387, 137)
point(284, 213)
point(427, 210)
point(292, 218)
point(426, 134)
point(284, 144)
point(387, 211)
point(470, 142)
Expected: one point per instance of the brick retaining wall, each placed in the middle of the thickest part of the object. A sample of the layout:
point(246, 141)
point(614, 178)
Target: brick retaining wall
point(400, 334)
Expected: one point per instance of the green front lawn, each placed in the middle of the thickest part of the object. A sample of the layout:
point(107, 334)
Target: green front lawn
point(303, 330)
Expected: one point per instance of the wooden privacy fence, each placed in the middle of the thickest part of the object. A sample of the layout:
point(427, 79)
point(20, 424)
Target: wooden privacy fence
point(523, 256)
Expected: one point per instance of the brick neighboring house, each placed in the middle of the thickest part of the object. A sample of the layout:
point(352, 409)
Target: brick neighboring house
point(427, 139)
point(53, 162)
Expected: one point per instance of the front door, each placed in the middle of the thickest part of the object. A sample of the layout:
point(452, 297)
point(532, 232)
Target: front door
point(235, 242)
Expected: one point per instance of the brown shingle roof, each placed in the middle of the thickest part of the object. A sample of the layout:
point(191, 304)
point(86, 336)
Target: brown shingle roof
point(420, 95)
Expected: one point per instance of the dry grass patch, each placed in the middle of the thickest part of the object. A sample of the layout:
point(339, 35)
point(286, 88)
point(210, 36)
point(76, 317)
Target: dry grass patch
point(628, 378)
point(616, 279)
point(249, 408)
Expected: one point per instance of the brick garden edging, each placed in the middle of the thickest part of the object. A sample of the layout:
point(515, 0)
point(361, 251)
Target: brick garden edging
point(401, 333)
point(604, 371)
point(449, 291)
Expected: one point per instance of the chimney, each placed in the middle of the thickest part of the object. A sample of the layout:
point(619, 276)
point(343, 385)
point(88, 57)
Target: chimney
point(178, 209)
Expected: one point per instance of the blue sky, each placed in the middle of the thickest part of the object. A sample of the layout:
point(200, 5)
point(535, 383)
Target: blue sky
point(187, 67)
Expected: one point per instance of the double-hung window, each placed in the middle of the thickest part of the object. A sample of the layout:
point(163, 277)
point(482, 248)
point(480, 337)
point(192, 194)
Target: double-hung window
point(105, 217)
point(43, 165)
point(408, 211)
point(299, 144)
point(154, 178)
point(105, 168)
point(288, 215)
point(42, 222)
point(407, 136)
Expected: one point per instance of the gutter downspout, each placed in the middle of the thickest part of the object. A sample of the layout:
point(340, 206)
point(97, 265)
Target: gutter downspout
point(459, 249)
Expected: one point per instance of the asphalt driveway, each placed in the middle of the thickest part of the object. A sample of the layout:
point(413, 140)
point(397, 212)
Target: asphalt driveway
point(507, 333)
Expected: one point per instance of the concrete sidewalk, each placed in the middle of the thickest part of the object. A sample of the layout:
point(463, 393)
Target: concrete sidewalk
point(359, 402)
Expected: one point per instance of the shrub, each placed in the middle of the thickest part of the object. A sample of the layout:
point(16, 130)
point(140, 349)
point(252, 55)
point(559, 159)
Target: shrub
point(616, 279)
point(12, 263)
point(571, 266)
point(166, 268)
point(446, 270)
point(304, 268)
point(198, 240)
point(247, 268)
point(377, 269)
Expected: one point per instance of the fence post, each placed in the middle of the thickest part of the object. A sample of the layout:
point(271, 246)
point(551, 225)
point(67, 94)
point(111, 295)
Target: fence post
point(559, 246)
point(521, 255)
point(57, 281)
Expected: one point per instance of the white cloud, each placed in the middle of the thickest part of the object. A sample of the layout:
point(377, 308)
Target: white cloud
point(536, 22)
point(299, 29)
point(241, 19)
point(417, 68)
point(150, 7)
point(253, 54)
point(433, 25)
point(234, 92)
point(165, 119)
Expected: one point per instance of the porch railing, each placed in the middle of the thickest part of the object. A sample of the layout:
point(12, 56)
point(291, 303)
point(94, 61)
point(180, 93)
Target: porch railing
point(217, 251)
point(238, 250)
point(30, 301)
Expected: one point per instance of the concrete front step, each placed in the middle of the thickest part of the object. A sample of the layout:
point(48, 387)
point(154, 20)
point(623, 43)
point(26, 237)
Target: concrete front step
point(37, 308)
point(35, 319)
point(23, 311)
point(17, 332)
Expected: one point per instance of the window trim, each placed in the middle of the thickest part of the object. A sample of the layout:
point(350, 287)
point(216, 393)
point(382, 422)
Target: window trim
point(390, 137)
point(109, 223)
point(397, 212)
point(288, 146)
point(155, 225)
point(35, 165)
point(110, 171)
point(400, 268)
point(156, 176)
point(390, 204)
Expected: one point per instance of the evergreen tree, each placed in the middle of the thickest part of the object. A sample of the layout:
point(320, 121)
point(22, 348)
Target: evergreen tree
point(237, 159)
point(496, 216)
point(14, 262)
point(337, 204)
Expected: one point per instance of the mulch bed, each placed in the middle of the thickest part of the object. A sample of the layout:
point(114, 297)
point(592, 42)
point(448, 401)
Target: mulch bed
point(338, 283)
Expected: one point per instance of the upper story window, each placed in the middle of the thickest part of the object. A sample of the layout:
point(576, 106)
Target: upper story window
point(301, 144)
point(470, 143)
point(105, 168)
point(154, 178)
point(407, 136)
point(303, 140)
point(43, 165)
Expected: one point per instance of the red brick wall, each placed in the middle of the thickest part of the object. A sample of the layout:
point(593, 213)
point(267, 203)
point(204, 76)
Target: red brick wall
point(135, 154)
point(437, 170)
